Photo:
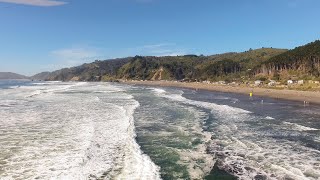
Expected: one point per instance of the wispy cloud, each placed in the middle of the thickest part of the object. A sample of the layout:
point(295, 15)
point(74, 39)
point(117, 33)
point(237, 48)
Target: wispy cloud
point(45, 3)
point(162, 49)
point(74, 56)
point(79, 54)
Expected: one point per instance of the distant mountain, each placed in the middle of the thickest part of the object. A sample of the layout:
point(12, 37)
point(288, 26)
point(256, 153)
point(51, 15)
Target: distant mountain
point(41, 76)
point(10, 75)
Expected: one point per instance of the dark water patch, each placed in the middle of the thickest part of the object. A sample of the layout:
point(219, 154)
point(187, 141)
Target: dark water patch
point(167, 159)
point(172, 141)
point(219, 174)
point(169, 132)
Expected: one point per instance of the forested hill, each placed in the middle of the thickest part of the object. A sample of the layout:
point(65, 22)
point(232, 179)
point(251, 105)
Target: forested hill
point(303, 61)
point(191, 67)
point(252, 64)
point(89, 72)
point(186, 67)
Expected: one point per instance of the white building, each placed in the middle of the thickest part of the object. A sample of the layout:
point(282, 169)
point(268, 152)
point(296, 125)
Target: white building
point(206, 82)
point(272, 83)
point(257, 82)
point(290, 81)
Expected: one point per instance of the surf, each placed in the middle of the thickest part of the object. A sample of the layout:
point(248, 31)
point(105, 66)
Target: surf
point(71, 131)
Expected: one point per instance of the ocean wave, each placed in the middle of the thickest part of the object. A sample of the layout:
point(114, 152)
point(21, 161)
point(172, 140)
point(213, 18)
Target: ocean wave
point(215, 107)
point(246, 152)
point(73, 135)
point(51, 89)
point(269, 118)
point(298, 127)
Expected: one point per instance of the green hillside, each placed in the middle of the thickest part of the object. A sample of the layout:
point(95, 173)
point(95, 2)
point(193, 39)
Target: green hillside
point(302, 62)
point(89, 72)
point(188, 67)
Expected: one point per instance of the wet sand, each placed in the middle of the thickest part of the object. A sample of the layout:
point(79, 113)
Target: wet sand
point(294, 95)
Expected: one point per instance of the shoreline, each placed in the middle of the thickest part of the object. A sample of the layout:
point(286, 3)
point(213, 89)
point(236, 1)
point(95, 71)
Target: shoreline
point(284, 94)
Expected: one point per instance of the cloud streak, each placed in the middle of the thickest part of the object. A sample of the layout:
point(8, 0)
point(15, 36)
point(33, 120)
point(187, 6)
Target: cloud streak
point(74, 56)
point(163, 49)
point(43, 3)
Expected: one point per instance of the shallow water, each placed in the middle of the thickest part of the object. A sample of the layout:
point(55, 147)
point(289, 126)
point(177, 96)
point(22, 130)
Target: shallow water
point(255, 139)
point(55, 130)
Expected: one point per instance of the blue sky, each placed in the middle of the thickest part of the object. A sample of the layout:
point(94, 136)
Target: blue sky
point(41, 35)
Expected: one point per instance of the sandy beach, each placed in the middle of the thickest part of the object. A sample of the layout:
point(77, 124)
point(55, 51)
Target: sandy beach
point(294, 95)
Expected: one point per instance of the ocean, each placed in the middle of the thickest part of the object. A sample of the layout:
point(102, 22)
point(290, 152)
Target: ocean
point(82, 130)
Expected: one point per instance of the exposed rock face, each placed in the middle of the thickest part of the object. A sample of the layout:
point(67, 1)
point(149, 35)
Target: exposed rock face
point(158, 75)
point(75, 78)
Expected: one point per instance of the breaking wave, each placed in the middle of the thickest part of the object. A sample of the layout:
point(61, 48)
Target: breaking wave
point(71, 131)
point(242, 148)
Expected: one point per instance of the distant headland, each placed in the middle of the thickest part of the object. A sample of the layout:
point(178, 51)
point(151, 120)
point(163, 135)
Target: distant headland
point(10, 75)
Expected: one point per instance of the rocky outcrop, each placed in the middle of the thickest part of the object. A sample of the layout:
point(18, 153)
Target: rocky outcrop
point(158, 75)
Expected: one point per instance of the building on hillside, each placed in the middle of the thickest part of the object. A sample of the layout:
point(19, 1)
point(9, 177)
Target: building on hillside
point(290, 82)
point(272, 83)
point(258, 82)
point(301, 82)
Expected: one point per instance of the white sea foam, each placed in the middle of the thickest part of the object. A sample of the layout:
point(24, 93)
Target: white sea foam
point(47, 83)
point(269, 118)
point(80, 135)
point(298, 127)
point(159, 91)
point(222, 109)
point(247, 153)
point(14, 87)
